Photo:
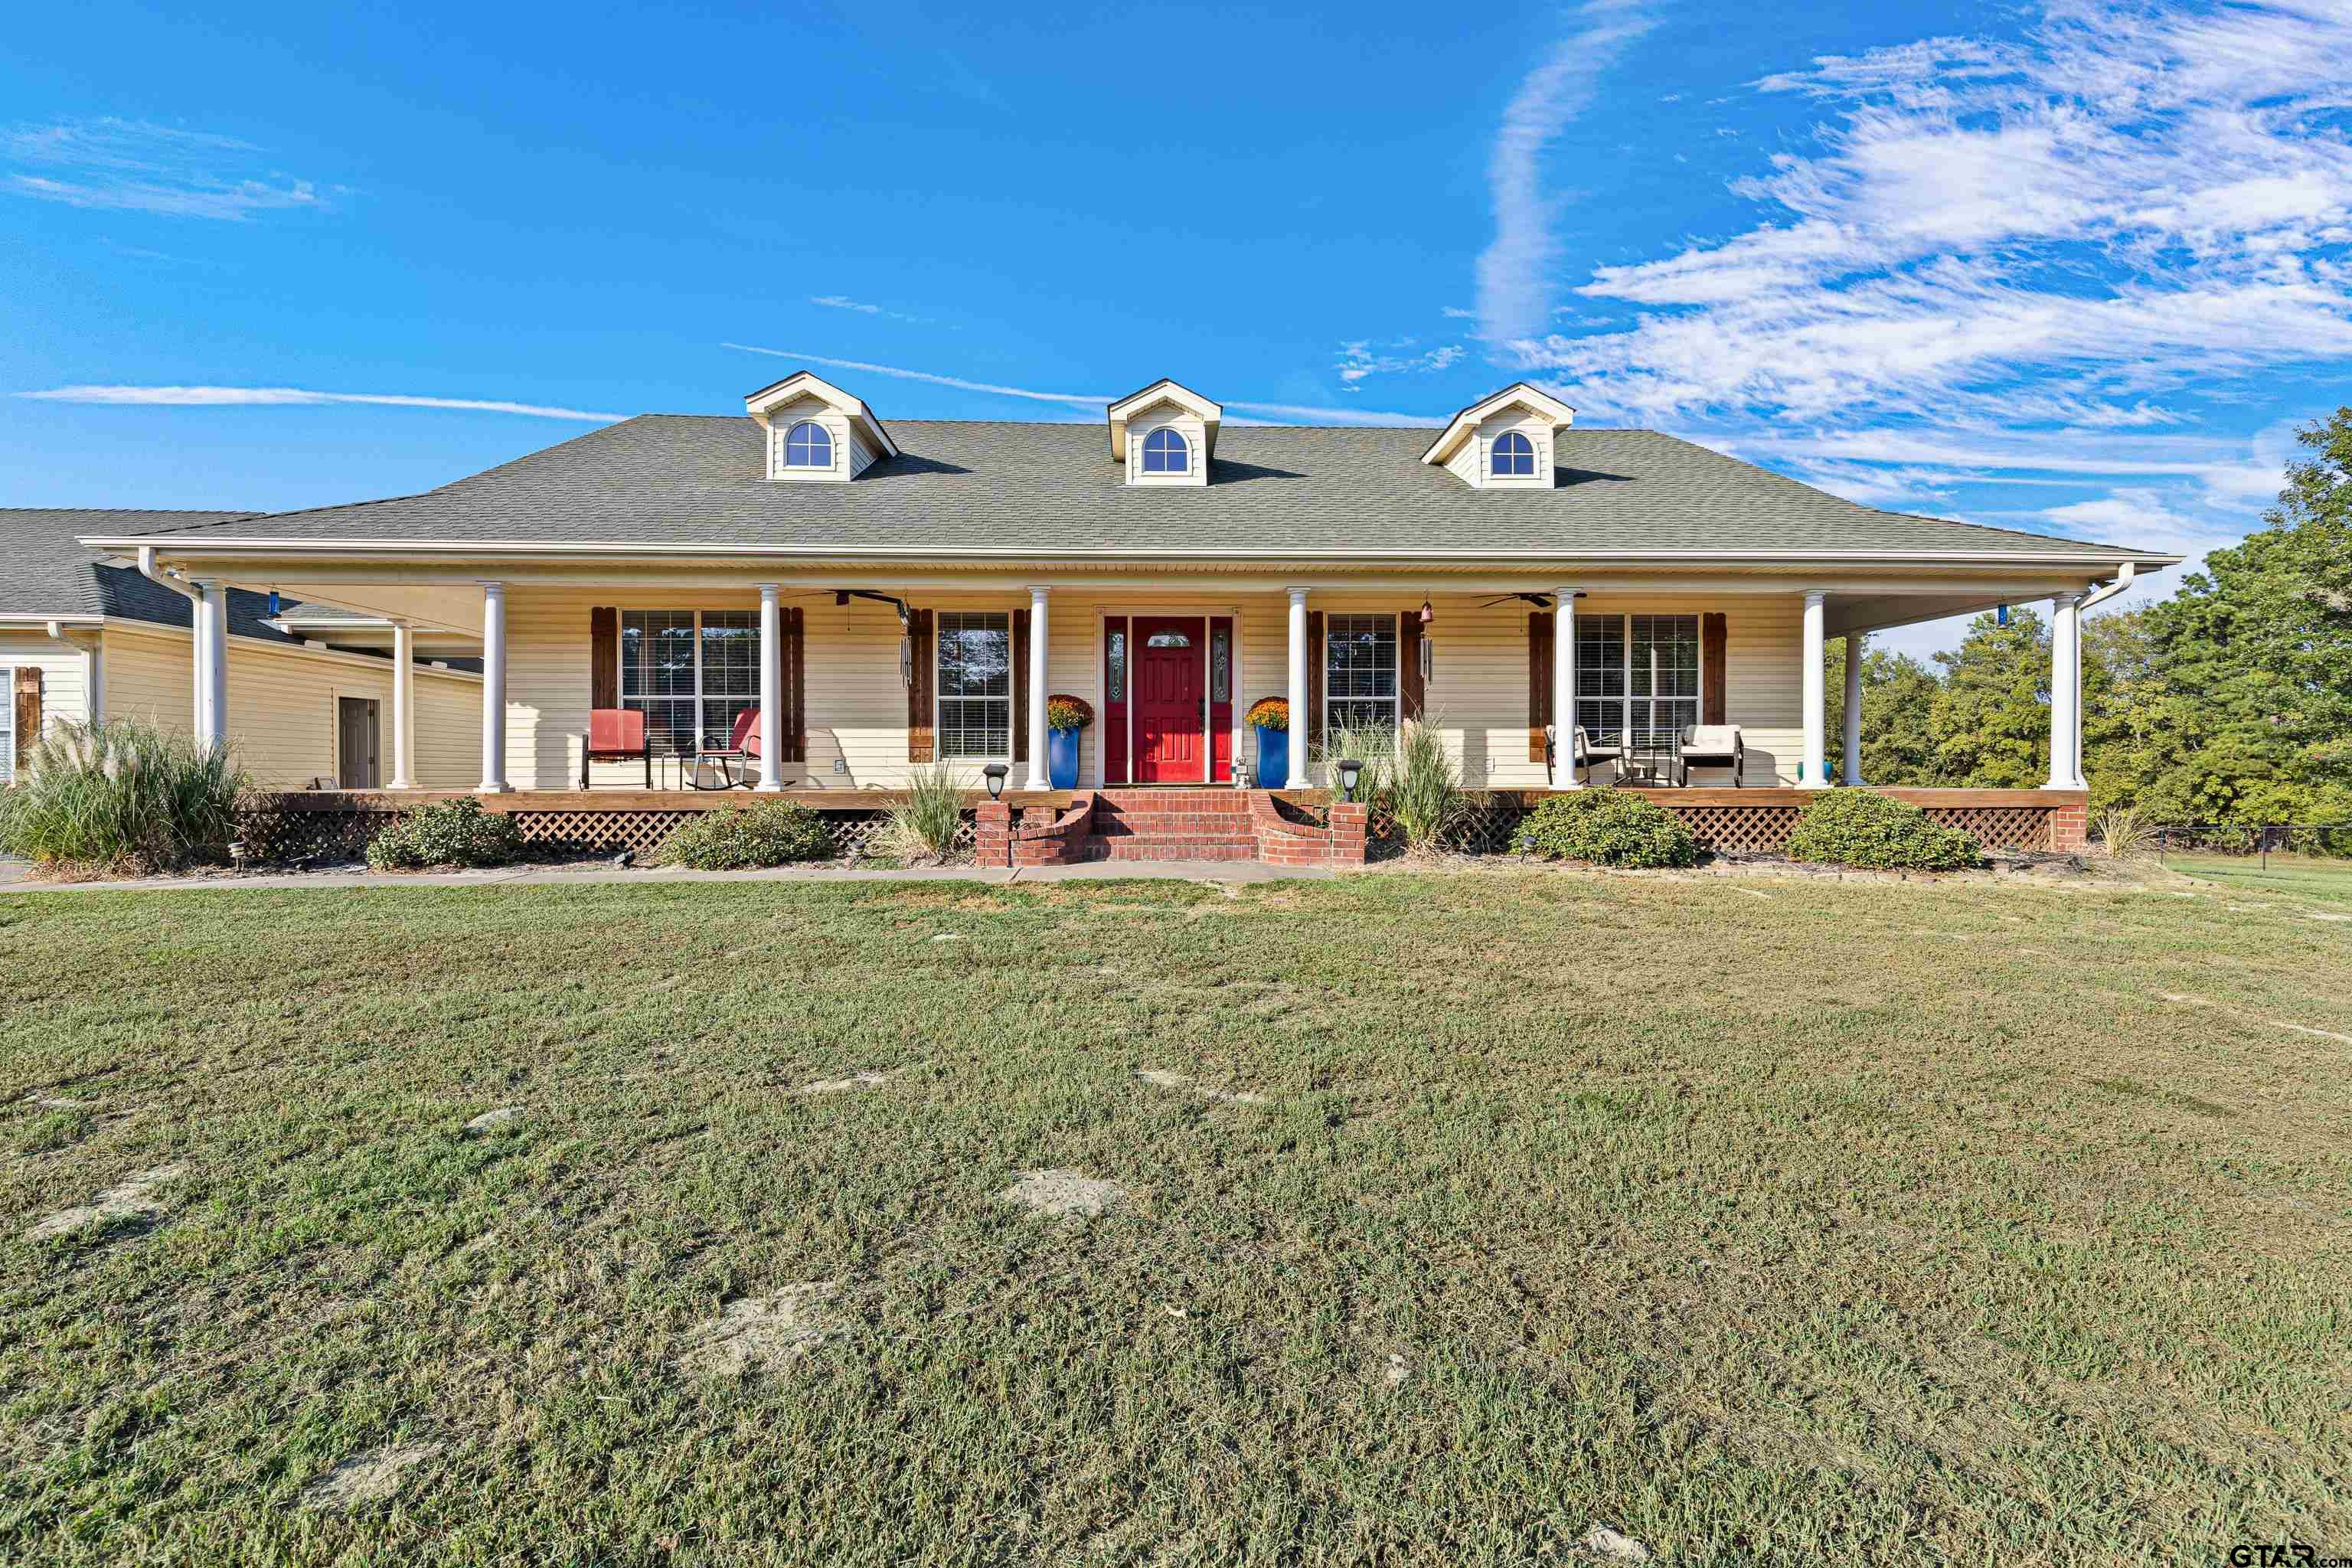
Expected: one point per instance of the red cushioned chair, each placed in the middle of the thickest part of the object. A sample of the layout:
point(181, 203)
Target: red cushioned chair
point(738, 761)
point(616, 735)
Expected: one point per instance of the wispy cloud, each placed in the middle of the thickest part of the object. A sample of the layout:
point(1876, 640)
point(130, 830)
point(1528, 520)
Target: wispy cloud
point(130, 166)
point(1516, 275)
point(844, 303)
point(1094, 403)
point(295, 396)
point(1363, 358)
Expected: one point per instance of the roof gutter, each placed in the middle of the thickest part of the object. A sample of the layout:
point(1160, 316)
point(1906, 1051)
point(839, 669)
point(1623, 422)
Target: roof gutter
point(2124, 577)
point(162, 578)
point(367, 548)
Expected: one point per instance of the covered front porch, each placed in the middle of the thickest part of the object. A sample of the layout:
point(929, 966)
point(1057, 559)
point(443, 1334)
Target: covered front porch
point(1059, 827)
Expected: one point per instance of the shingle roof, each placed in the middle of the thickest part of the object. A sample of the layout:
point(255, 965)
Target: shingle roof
point(44, 571)
point(1050, 489)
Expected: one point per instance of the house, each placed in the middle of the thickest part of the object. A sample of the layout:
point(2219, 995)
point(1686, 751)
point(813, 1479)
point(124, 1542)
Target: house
point(898, 593)
point(308, 688)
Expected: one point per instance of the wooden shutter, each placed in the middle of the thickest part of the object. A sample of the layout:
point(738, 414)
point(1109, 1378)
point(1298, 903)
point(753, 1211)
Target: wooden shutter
point(1019, 686)
point(1710, 670)
point(920, 744)
point(1539, 656)
point(27, 699)
point(795, 662)
point(1409, 692)
point(1314, 687)
point(603, 656)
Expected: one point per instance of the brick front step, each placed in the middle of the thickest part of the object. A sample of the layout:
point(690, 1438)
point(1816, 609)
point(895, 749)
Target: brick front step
point(1099, 848)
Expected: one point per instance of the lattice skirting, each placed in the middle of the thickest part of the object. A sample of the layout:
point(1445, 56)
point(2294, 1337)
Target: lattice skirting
point(1488, 827)
point(279, 836)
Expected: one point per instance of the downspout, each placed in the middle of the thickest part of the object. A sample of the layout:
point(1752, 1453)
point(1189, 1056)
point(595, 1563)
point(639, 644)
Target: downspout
point(2123, 576)
point(201, 654)
point(93, 670)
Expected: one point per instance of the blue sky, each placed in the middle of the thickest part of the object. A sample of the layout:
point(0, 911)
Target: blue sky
point(2075, 267)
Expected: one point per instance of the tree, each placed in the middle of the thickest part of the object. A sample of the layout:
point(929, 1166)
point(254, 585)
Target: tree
point(1898, 693)
point(1990, 722)
point(2254, 659)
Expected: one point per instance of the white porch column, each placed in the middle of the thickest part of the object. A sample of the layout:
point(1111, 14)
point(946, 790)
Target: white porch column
point(1563, 689)
point(1296, 689)
point(494, 689)
point(404, 706)
point(1817, 722)
point(211, 608)
point(1038, 778)
point(773, 717)
point(1852, 773)
point(2066, 692)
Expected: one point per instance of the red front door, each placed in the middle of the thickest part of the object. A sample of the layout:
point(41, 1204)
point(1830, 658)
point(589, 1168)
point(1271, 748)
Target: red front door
point(1171, 661)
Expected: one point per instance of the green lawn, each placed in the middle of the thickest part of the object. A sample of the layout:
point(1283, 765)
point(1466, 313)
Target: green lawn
point(1760, 1219)
point(2303, 874)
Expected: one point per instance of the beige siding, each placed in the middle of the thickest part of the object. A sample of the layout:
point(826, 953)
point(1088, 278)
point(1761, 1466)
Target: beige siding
point(64, 682)
point(857, 704)
point(281, 706)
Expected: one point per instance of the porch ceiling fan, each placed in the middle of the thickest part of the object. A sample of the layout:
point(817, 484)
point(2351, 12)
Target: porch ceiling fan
point(841, 597)
point(1540, 601)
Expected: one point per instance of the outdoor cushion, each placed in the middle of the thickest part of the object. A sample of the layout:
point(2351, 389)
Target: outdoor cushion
point(1712, 741)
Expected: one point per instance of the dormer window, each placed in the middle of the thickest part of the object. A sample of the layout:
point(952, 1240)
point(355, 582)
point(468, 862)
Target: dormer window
point(1165, 435)
point(1166, 452)
point(806, 445)
point(814, 433)
point(1508, 440)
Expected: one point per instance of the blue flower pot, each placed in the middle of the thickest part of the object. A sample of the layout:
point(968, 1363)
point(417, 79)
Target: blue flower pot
point(1062, 757)
point(1273, 758)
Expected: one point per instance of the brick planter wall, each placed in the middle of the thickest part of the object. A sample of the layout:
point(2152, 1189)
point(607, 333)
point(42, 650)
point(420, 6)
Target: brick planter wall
point(1037, 835)
point(1286, 840)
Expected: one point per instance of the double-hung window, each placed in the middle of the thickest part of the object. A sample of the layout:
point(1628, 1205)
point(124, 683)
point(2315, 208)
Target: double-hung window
point(1359, 672)
point(690, 672)
point(1636, 675)
point(975, 684)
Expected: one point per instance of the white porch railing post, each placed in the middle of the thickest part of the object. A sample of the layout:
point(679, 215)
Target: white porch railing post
point(494, 689)
point(404, 706)
point(210, 607)
point(1816, 759)
point(1295, 690)
point(1563, 689)
point(1852, 773)
point(1038, 779)
point(2066, 692)
point(773, 717)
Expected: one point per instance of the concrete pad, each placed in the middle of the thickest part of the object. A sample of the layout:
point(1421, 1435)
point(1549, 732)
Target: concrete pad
point(765, 1331)
point(132, 1199)
point(843, 1085)
point(1058, 1193)
point(366, 1477)
point(1160, 1077)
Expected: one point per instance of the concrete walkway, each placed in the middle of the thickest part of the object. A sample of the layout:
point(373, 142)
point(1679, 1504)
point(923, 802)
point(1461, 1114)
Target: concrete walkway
point(15, 878)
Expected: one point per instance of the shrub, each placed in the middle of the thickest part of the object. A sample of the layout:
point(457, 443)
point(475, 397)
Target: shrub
point(446, 833)
point(122, 797)
point(1608, 828)
point(740, 838)
point(1427, 793)
point(1374, 745)
point(1064, 711)
point(1876, 832)
point(1268, 714)
point(924, 825)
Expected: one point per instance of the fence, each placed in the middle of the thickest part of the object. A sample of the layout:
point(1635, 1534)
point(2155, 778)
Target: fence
point(2322, 840)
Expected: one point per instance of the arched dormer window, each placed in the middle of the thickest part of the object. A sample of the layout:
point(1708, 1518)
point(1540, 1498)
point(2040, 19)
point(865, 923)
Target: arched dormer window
point(1165, 452)
point(1514, 457)
point(808, 445)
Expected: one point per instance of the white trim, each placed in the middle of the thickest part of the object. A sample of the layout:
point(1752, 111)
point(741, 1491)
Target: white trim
point(365, 548)
point(13, 747)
